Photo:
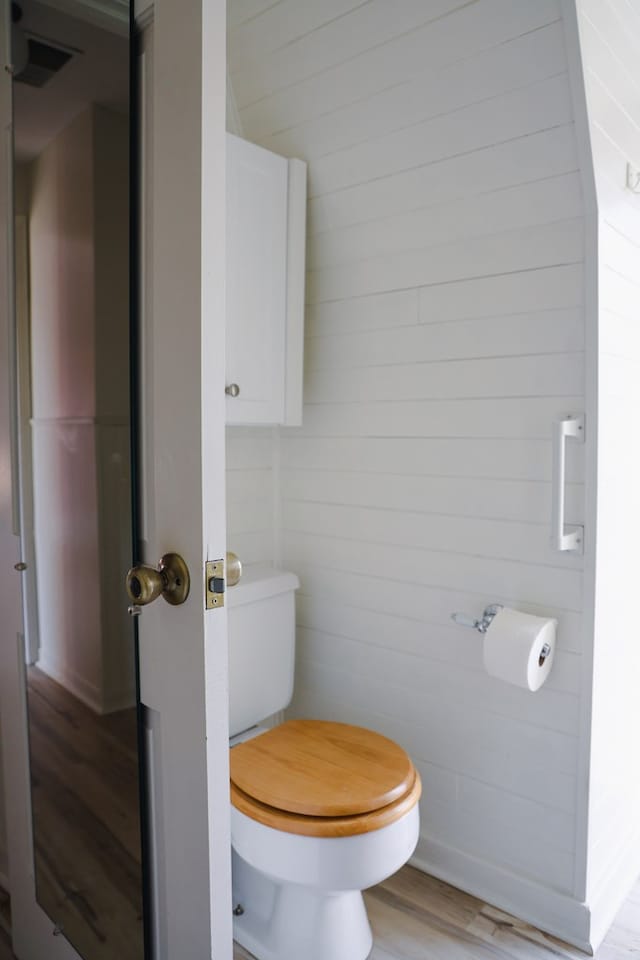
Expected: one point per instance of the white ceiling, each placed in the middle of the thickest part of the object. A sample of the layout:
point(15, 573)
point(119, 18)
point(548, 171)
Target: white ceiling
point(99, 74)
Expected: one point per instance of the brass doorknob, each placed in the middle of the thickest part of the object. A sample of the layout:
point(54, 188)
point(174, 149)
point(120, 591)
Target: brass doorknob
point(234, 569)
point(171, 580)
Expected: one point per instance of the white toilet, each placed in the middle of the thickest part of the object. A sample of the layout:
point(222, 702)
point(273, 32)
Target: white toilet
point(320, 811)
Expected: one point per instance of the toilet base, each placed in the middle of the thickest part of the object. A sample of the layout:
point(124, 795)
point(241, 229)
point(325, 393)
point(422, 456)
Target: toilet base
point(289, 922)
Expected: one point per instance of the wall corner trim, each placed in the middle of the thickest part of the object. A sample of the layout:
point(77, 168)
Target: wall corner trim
point(569, 10)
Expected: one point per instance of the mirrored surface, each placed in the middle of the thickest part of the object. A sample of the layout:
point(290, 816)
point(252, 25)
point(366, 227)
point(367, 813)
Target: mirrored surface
point(71, 103)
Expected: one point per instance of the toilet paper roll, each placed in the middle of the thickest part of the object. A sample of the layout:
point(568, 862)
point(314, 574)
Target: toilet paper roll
point(513, 648)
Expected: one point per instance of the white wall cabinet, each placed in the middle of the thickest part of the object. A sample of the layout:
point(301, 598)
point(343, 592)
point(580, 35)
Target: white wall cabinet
point(266, 196)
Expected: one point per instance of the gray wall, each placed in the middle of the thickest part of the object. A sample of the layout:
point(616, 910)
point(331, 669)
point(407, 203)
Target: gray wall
point(78, 231)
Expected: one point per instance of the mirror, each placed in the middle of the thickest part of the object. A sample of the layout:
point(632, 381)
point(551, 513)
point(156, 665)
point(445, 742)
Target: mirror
point(71, 116)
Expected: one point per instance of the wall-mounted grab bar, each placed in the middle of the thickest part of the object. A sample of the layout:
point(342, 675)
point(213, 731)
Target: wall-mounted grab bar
point(563, 538)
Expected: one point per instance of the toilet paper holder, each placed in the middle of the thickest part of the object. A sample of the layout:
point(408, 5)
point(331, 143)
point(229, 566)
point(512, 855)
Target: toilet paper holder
point(480, 625)
point(483, 625)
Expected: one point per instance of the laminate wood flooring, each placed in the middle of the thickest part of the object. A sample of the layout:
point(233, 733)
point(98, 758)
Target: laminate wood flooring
point(413, 916)
point(416, 917)
point(86, 824)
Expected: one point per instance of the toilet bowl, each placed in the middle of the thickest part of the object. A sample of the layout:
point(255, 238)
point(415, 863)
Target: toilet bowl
point(320, 811)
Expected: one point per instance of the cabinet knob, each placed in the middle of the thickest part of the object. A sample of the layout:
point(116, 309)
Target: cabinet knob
point(232, 390)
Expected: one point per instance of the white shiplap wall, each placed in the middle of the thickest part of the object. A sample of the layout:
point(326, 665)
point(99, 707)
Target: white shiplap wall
point(445, 331)
point(251, 460)
point(610, 45)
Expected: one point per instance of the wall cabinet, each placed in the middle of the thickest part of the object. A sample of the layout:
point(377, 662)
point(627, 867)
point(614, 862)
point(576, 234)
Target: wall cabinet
point(266, 199)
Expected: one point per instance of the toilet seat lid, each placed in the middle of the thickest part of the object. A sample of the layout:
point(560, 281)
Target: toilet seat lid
point(322, 769)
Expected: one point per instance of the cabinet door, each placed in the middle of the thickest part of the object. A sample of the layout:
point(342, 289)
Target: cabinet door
point(257, 187)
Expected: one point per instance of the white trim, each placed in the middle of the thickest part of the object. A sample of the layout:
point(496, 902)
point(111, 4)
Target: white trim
point(88, 693)
point(613, 890)
point(294, 331)
point(234, 123)
point(551, 911)
point(85, 691)
point(143, 14)
point(583, 141)
point(276, 491)
point(31, 928)
point(105, 420)
point(213, 54)
point(111, 15)
point(25, 447)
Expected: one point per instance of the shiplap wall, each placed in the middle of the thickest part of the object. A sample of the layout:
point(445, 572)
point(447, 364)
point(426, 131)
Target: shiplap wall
point(251, 463)
point(610, 44)
point(251, 491)
point(445, 331)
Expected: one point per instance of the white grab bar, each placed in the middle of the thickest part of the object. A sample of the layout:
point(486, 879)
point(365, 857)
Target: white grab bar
point(561, 537)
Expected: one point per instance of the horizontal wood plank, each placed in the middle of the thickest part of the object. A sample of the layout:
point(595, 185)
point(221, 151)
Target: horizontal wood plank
point(531, 204)
point(541, 375)
point(346, 75)
point(432, 91)
point(509, 252)
point(523, 501)
point(463, 458)
point(547, 587)
point(534, 156)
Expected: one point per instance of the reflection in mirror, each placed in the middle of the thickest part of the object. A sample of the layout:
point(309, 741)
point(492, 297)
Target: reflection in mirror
point(71, 102)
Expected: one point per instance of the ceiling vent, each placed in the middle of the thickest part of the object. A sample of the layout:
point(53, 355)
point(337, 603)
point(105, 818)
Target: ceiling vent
point(44, 60)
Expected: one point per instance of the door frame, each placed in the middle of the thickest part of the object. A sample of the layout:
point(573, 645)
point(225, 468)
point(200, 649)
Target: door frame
point(183, 289)
point(23, 384)
point(183, 650)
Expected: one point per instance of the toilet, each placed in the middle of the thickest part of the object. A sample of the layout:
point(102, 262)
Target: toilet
point(319, 810)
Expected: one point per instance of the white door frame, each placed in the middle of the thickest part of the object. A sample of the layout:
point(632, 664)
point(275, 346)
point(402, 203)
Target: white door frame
point(184, 293)
point(23, 365)
point(182, 650)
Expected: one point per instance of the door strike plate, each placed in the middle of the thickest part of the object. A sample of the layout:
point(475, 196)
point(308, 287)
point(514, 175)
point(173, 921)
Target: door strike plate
point(214, 584)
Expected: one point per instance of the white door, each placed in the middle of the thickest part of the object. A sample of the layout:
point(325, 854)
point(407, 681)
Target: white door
point(183, 668)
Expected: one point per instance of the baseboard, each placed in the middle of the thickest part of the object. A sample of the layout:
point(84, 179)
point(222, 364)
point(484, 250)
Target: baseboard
point(84, 691)
point(553, 912)
point(613, 889)
point(118, 702)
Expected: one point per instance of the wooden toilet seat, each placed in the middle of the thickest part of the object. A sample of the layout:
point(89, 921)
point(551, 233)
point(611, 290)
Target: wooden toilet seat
point(323, 779)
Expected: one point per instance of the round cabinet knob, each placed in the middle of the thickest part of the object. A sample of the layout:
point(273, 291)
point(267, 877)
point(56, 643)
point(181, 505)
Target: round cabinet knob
point(232, 390)
point(145, 584)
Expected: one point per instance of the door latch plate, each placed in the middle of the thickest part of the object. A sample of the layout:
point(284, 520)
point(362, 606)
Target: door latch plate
point(214, 584)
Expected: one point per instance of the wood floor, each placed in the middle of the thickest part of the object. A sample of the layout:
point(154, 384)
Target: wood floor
point(415, 917)
point(86, 823)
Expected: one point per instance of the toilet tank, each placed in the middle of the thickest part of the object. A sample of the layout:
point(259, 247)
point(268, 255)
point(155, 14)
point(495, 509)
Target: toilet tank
point(261, 626)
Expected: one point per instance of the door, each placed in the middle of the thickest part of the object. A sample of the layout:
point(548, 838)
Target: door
point(183, 682)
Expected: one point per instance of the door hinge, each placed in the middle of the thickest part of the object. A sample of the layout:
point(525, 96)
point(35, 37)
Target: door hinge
point(214, 584)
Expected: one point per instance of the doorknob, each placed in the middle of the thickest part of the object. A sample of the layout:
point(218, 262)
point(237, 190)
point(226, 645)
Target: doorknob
point(145, 584)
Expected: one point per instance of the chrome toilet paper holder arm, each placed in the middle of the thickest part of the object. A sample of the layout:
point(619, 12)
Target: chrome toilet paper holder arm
point(480, 625)
point(483, 625)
